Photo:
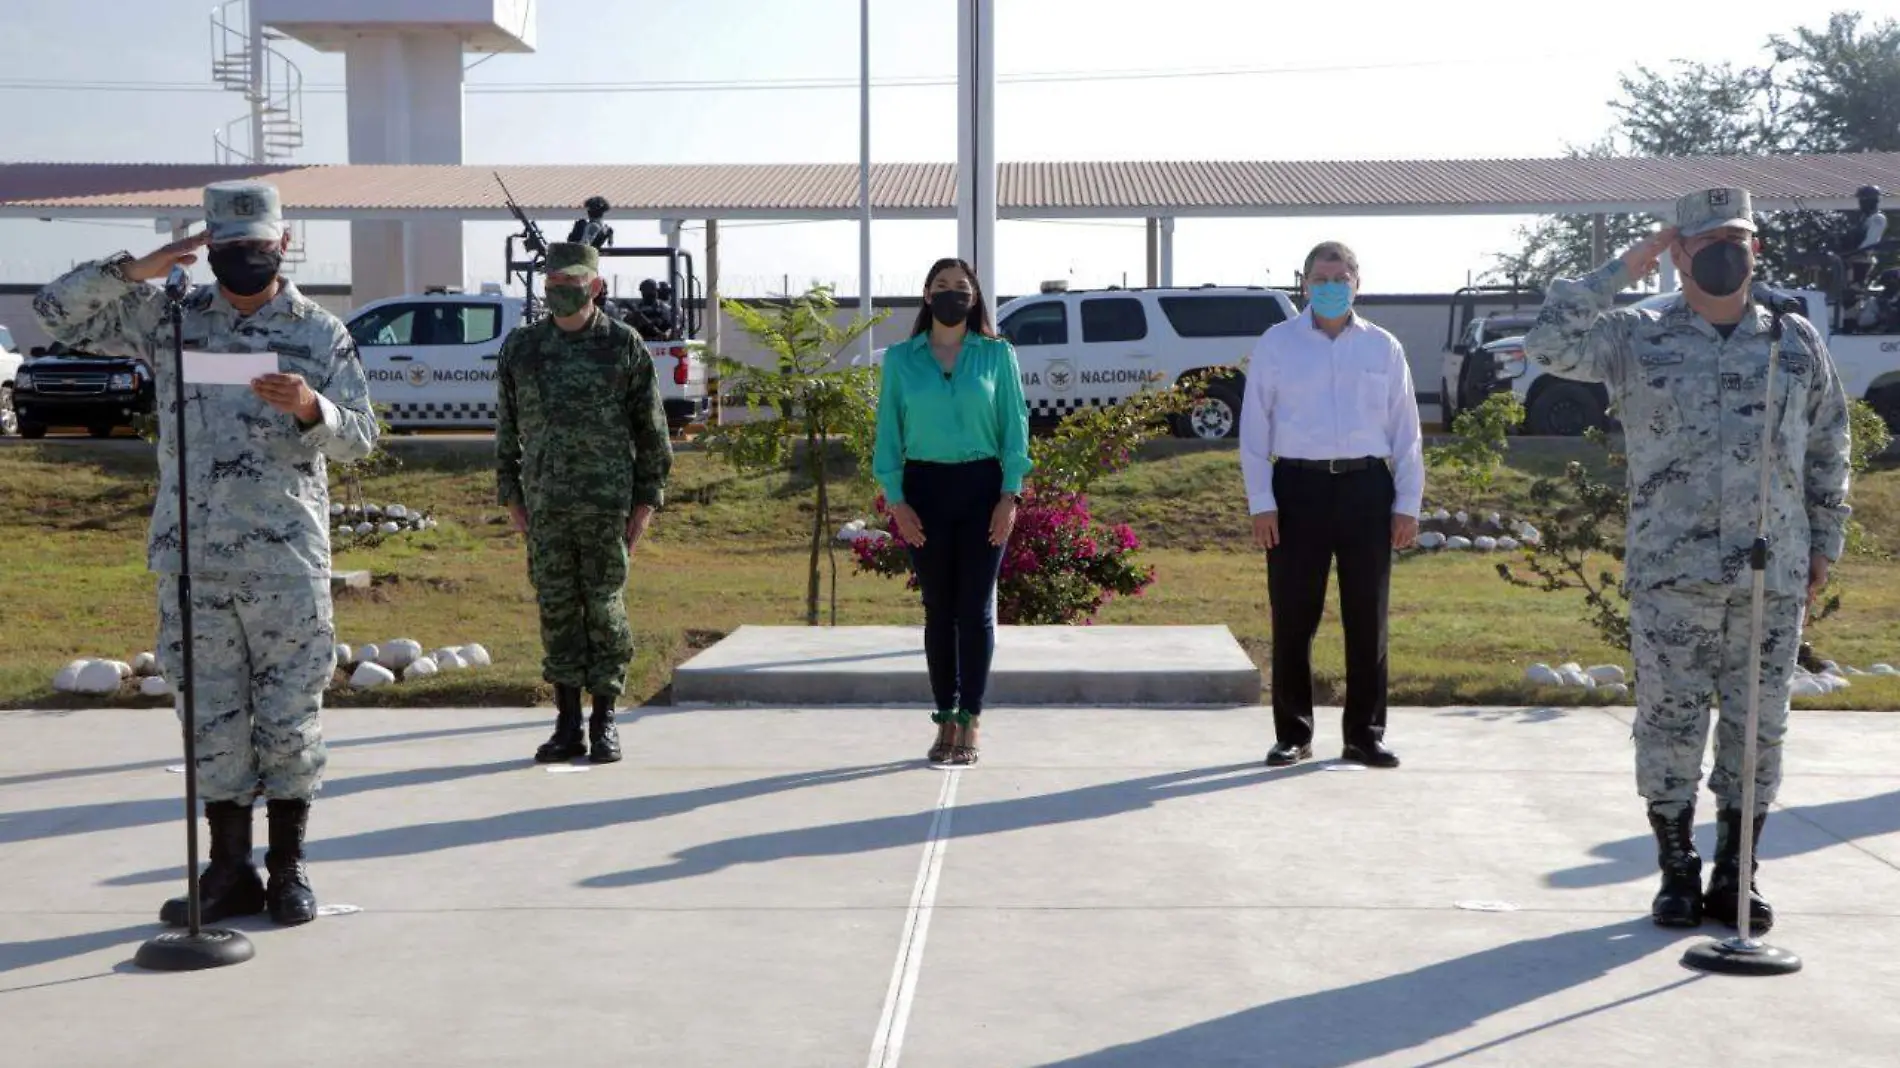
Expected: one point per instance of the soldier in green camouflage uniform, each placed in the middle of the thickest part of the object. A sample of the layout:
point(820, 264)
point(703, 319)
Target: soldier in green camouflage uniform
point(582, 459)
point(264, 644)
point(1689, 383)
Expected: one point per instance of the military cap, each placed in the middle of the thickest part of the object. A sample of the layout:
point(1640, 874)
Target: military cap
point(242, 211)
point(573, 257)
point(1713, 209)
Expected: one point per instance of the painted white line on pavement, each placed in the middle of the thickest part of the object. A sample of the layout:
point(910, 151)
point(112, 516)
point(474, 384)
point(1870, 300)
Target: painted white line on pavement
point(888, 1044)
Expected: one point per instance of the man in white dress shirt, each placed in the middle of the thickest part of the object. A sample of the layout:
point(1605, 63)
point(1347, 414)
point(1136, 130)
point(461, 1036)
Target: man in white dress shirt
point(1330, 450)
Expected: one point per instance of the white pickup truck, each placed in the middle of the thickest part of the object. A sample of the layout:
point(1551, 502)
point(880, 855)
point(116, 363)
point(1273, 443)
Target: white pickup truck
point(431, 357)
point(9, 369)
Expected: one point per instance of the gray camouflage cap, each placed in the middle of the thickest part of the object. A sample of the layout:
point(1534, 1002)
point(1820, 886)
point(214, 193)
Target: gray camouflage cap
point(1712, 209)
point(242, 211)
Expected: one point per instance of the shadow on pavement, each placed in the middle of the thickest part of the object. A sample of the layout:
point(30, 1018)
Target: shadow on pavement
point(1354, 1024)
point(1099, 801)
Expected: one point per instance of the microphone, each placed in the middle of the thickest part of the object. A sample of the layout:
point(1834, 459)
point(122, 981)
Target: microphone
point(177, 283)
point(1777, 302)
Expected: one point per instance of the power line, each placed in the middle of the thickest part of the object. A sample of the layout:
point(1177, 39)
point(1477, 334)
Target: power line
point(780, 84)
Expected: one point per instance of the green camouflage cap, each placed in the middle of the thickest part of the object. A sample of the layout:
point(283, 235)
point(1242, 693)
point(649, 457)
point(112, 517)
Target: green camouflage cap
point(572, 257)
point(242, 211)
point(1712, 209)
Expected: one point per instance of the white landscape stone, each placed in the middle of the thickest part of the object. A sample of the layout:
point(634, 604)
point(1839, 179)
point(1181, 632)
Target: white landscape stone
point(398, 653)
point(1835, 681)
point(368, 654)
point(1484, 542)
point(125, 669)
point(1543, 675)
point(388, 527)
point(1508, 544)
point(475, 655)
point(1570, 665)
point(336, 509)
point(397, 511)
point(1576, 678)
point(421, 668)
point(1884, 669)
point(1441, 515)
point(98, 676)
point(145, 665)
point(372, 510)
point(449, 659)
point(1805, 686)
point(1462, 516)
point(1431, 539)
point(364, 528)
point(1853, 671)
point(369, 676)
point(343, 654)
point(155, 686)
point(68, 676)
point(1606, 674)
point(1494, 519)
point(1614, 690)
point(1457, 541)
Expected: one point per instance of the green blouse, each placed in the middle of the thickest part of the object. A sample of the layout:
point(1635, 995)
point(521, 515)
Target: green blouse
point(977, 413)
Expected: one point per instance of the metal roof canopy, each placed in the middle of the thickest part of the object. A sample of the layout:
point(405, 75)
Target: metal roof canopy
point(829, 191)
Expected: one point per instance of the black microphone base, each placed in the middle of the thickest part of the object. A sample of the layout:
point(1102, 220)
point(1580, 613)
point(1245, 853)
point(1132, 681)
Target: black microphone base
point(182, 951)
point(1734, 956)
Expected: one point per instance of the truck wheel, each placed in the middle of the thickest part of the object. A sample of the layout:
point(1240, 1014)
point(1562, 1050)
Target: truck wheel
point(1216, 416)
point(1886, 402)
point(9, 420)
point(1563, 409)
point(101, 430)
point(32, 430)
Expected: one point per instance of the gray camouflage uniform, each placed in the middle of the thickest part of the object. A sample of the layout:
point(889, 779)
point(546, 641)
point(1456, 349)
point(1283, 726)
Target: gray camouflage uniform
point(260, 524)
point(1691, 404)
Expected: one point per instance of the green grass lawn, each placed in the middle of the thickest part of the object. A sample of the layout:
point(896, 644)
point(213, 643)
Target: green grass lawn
point(730, 550)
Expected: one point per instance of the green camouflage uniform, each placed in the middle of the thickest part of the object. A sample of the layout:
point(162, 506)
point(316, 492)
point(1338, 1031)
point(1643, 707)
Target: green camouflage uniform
point(580, 441)
point(258, 488)
point(1691, 404)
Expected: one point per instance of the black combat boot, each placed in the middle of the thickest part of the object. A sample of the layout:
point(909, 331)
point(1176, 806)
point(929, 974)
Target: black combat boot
point(291, 900)
point(567, 742)
point(230, 885)
point(1725, 877)
point(1679, 902)
point(601, 732)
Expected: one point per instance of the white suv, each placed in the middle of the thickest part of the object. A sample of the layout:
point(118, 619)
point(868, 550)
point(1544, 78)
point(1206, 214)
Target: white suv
point(1091, 348)
point(10, 361)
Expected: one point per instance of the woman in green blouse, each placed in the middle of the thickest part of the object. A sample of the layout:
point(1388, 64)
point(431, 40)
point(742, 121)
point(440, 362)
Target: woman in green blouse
point(952, 450)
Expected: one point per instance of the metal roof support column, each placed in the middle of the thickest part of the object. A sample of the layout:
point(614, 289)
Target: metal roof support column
point(1154, 252)
point(1167, 250)
point(712, 312)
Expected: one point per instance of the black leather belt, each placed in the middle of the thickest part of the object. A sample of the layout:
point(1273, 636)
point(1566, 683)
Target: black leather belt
point(1333, 467)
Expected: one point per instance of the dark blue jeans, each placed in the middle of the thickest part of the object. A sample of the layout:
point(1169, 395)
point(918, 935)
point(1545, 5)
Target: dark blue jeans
point(957, 568)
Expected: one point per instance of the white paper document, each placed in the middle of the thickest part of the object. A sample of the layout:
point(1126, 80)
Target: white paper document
point(227, 368)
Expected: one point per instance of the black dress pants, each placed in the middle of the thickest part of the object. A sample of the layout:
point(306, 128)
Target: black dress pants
point(1325, 517)
point(957, 569)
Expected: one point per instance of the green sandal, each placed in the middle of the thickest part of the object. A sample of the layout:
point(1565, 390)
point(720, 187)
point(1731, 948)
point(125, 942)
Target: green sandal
point(962, 752)
point(941, 751)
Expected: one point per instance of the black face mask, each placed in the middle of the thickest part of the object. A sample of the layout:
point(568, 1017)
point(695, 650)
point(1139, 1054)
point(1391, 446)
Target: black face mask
point(951, 306)
point(1720, 269)
point(245, 269)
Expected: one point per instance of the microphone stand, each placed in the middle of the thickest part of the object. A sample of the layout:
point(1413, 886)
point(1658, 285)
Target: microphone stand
point(1744, 954)
point(197, 947)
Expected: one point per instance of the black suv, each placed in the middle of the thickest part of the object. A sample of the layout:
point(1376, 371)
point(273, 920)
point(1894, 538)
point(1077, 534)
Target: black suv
point(59, 386)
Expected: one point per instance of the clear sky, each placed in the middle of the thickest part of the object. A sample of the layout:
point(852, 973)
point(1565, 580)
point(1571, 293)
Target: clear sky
point(1365, 80)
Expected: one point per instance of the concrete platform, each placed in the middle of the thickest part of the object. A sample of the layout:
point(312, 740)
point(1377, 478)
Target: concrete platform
point(1034, 666)
point(1106, 889)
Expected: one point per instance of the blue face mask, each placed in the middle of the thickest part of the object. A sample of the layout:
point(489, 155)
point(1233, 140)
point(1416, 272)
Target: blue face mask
point(1330, 300)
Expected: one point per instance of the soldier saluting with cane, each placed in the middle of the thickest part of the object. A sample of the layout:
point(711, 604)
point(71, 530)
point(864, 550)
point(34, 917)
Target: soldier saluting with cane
point(258, 526)
point(1717, 501)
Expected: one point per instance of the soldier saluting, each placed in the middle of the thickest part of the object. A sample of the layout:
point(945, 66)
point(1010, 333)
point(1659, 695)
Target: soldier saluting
point(265, 640)
point(1689, 382)
point(581, 458)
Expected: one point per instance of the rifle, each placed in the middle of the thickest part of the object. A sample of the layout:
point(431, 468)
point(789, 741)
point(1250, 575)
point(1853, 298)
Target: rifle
point(531, 237)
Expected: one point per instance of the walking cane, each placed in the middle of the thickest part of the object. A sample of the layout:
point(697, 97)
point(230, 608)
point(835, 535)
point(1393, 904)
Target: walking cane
point(197, 947)
point(1744, 954)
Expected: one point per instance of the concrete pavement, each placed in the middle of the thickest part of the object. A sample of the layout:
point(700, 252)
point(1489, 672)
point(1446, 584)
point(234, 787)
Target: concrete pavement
point(1107, 888)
